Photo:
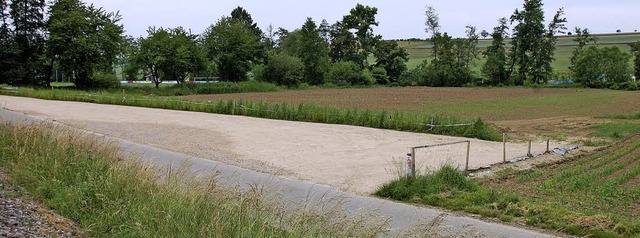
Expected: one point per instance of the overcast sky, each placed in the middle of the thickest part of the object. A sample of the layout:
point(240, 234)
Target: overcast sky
point(398, 19)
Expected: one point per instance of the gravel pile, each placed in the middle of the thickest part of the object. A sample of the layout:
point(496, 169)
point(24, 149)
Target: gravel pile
point(23, 219)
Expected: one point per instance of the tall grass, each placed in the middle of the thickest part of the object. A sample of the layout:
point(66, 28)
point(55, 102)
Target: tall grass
point(206, 88)
point(87, 180)
point(303, 112)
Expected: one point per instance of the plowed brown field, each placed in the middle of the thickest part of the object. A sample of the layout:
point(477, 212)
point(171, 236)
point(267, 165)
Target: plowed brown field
point(518, 110)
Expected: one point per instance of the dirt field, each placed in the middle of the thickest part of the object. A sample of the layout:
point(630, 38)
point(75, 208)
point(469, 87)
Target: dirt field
point(353, 159)
point(522, 111)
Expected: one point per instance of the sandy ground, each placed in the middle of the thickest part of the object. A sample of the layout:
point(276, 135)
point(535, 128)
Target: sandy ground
point(353, 159)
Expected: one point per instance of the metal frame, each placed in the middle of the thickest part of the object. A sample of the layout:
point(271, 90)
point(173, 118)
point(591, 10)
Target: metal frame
point(413, 153)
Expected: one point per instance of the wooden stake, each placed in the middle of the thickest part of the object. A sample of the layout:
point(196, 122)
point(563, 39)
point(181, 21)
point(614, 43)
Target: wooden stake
point(466, 167)
point(529, 151)
point(413, 162)
point(504, 147)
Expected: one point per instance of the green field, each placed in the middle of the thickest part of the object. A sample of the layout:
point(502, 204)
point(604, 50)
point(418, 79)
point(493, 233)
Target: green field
point(595, 195)
point(421, 50)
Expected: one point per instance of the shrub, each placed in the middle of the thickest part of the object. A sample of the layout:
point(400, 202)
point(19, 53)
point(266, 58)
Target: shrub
point(281, 69)
point(103, 80)
point(347, 73)
point(603, 67)
point(379, 74)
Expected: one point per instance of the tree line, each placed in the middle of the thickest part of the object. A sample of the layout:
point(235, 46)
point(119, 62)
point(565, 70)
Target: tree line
point(523, 56)
point(88, 44)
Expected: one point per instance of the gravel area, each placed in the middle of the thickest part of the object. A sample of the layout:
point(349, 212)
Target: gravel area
point(349, 158)
point(20, 218)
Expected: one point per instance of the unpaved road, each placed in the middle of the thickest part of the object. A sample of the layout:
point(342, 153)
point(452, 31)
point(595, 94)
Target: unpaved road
point(352, 159)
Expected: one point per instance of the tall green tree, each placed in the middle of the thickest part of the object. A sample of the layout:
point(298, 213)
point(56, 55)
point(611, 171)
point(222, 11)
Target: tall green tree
point(314, 53)
point(84, 40)
point(241, 15)
point(495, 68)
point(8, 53)
point(170, 54)
point(635, 51)
point(28, 25)
point(583, 38)
point(234, 47)
point(392, 58)
point(343, 44)
point(362, 19)
point(533, 46)
point(432, 26)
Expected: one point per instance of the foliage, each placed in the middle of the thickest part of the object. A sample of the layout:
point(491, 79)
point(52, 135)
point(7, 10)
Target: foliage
point(29, 41)
point(635, 51)
point(533, 46)
point(432, 25)
point(83, 40)
point(104, 80)
point(8, 52)
point(495, 68)
point(170, 54)
point(234, 47)
point(451, 68)
point(308, 44)
point(392, 58)
point(380, 75)
point(87, 180)
point(314, 55)
point(281, 69)
point(583, 38)
point(451, 58)
point(602, 67)
point(362, 19)
point(347, 73)
point(343, 44)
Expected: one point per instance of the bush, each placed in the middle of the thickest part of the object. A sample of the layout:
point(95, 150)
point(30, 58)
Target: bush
point(103, 80)
point(281, 69)
point(603, 67)
point(379, 74)
point(348, 73)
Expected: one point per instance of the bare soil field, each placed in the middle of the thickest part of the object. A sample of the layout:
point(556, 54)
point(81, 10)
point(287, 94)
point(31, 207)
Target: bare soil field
point(522, 111)
point(353, 159)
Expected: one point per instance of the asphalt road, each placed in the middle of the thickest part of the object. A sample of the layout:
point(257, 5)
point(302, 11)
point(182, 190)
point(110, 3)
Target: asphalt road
point(401, 217)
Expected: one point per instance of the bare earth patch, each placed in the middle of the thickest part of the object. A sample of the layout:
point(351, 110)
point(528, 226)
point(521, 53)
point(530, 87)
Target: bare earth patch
point(353, 159)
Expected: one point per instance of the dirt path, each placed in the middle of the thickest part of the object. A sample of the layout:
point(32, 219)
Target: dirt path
point(353, 159)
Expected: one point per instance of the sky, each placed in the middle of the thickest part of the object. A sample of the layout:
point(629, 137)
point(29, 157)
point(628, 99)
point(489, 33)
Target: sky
point(397, 19)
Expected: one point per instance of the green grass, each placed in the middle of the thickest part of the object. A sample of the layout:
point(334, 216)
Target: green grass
point(85, 179)
point(616, 130)
point(383, 119)
point(593, 195)
point(632, 116)
point(190, 89)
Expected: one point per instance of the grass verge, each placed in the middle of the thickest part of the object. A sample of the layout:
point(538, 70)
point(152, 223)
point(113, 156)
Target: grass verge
point(596, 195)
point(85, 179)
point(305, 112)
